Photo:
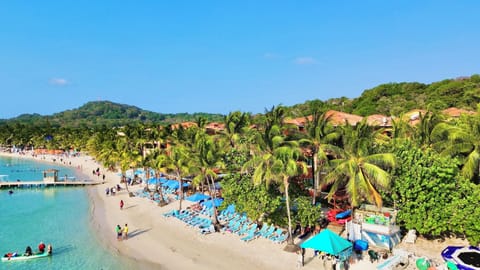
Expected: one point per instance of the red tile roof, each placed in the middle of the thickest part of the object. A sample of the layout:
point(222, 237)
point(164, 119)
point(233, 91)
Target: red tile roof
point(337, 118)
point(455, 112)
point(379, 120)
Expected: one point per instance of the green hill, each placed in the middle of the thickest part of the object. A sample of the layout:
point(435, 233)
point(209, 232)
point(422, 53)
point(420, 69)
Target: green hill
point(397, 98)
point(97, 113)
point(388, 99)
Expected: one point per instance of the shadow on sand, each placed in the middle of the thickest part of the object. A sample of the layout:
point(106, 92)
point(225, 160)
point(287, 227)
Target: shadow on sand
point(137, 232)
point(128, 207)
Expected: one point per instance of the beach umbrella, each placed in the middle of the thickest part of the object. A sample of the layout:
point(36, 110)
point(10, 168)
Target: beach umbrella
point(217, 202)
point(331, 243)
point(153, 181)
point(197, 197)
point(173, 184)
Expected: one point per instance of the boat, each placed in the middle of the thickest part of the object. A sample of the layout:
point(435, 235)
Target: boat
point(22, 257)
point(465, 258)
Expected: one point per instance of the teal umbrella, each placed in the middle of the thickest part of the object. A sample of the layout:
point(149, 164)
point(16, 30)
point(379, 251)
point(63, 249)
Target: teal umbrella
point(329, 242)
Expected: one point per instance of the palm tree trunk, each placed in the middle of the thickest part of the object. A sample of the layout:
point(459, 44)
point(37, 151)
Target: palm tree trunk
point(212, 194)
point(180, 195)
point(287, 201)
point(314, 175)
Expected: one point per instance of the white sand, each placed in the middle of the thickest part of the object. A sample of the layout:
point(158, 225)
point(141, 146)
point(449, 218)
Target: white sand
point(157, 242)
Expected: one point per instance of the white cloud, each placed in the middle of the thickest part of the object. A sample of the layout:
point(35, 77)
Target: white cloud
point(305, 60)
point(59, 81)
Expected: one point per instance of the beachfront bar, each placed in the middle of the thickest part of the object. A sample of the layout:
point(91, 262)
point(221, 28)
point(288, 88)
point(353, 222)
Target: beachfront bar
point(376, 226)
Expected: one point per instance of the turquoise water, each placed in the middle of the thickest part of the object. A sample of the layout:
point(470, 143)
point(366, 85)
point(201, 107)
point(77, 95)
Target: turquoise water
point(59, 216)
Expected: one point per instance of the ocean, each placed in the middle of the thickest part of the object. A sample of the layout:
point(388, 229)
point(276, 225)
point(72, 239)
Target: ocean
point(59, 216)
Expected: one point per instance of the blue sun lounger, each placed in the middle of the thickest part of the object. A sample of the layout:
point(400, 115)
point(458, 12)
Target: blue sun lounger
point(250, 235)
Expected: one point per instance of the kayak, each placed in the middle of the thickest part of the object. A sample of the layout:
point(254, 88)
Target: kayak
point(22, 258)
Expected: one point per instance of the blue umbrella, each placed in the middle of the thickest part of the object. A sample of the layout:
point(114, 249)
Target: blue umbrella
point(197, 197)
point(173, 184)
point(216, 201)
point(153, 181)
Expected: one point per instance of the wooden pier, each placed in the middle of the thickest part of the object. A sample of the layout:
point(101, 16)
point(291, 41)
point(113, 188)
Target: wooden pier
point(42, 184)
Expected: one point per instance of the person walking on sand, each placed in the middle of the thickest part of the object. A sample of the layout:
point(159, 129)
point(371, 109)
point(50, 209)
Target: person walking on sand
point(118, 229)
point(125, 232)
point(121, 204)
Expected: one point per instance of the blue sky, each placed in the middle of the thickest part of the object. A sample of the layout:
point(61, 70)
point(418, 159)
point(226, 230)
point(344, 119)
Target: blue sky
point(222, 56)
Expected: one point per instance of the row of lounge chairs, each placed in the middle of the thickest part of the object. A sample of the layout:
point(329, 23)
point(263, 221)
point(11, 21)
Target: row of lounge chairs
point(247, 230)
point(233, 222)
point(156, 196)
point(193, 219)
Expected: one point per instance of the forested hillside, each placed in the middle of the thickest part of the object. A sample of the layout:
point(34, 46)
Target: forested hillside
point(107, 113)
point(397, 98)
point(388, 99)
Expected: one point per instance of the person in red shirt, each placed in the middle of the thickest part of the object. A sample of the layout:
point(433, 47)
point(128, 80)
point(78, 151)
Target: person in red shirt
point(121, 204)
point(41, 247)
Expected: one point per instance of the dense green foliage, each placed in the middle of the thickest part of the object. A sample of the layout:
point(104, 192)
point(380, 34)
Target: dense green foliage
point(398, 98)
point(431, 196)
point(307, 214)
point(98, 113)
point(239, 189)
point(428, 171)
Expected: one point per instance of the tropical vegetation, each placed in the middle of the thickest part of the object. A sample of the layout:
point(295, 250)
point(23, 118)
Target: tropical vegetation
point(429, 172)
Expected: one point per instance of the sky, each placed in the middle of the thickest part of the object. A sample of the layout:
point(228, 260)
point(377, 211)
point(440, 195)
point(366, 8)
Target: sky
point(222, 56)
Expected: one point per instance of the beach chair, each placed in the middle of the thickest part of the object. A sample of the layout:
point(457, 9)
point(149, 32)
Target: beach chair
point(231, 224)
point(204, 223)
point(170, 213)
point(242, 228)
point(275, 234)
point(250, 235)
point(207, 230)
point(262, 230)
point(236, 226)
point(250, 228)
point(280, 238)
point(194, 221)
point(269, 232)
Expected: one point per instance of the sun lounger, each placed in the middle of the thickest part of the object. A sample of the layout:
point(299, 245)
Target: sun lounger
point(209, 229)
point(262, 230)
point(250, 235)
point(250, 228)
point(279, 239)
point(277, 233)
point(269, 232)
point(170, 213)
point(242, 228)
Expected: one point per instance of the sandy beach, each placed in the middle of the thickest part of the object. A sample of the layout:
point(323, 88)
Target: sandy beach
point(157, 242)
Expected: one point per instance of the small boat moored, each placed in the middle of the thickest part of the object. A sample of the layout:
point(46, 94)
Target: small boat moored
point(14, 257)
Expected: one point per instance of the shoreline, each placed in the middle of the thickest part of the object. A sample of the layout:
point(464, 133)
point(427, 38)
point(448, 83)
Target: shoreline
point(157, 242)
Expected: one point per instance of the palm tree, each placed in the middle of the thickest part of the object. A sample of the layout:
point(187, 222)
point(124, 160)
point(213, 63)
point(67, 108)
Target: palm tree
point(319, 136)
point(460, 139)
point(275, 160)
point(236, 124)
point(178, 161)
point(357, 169)
point(280, 168)
point(207, 161)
